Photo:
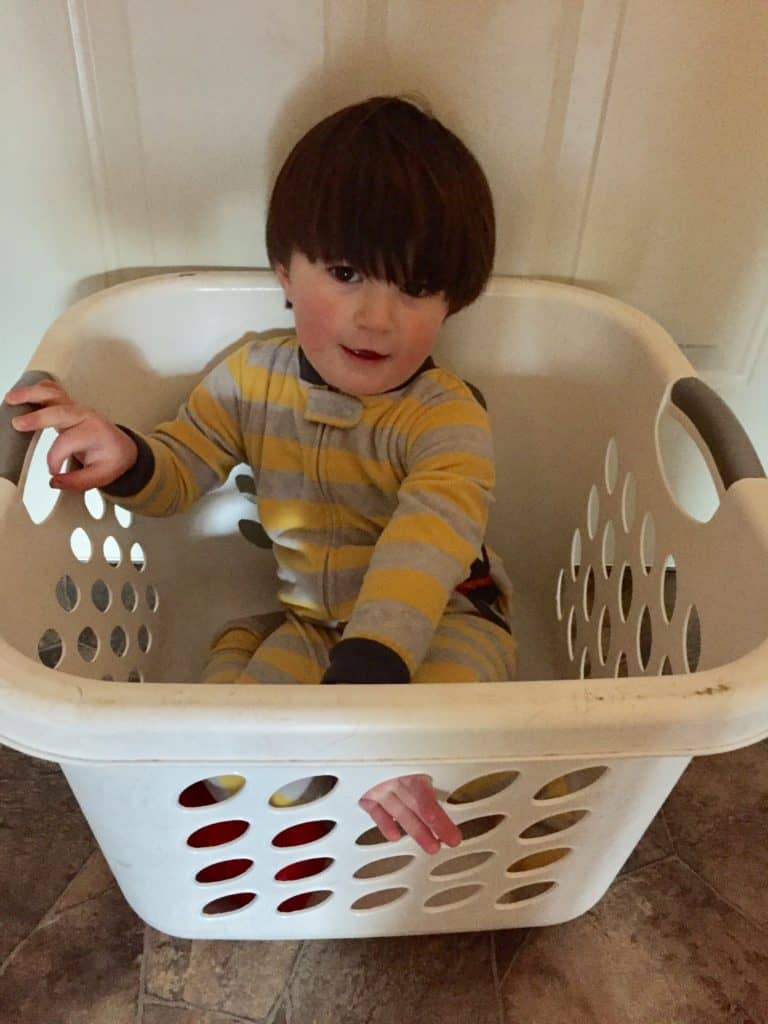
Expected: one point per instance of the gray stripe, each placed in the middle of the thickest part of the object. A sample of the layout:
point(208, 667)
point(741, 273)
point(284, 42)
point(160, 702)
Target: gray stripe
point(437, 653)
point(285, 485)
point(420, 557)
point(205, 478)
point(415, 502)
point(467, 439)
point(394, 619)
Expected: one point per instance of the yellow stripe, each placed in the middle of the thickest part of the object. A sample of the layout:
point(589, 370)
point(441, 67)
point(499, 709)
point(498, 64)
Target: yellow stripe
point(302, 668)
point(444, 672)
point(425, 527)
point(339, 466)
point(473, 650)
point(472, 466)
point(295, 513)
point(416, 589)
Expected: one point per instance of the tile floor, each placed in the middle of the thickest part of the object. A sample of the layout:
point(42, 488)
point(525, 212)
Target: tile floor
point(680, 938)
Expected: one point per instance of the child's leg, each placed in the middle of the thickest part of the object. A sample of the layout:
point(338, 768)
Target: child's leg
point(468, 649)
point(235, 644)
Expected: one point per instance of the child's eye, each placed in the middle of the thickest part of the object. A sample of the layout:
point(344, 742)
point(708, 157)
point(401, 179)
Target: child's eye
point(345, 274)
point(416, 289)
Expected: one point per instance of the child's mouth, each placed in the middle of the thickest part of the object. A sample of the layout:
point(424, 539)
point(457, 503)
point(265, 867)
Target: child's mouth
point(363, 353)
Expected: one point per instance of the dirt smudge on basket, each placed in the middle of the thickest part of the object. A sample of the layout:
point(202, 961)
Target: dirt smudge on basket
point(712, 690)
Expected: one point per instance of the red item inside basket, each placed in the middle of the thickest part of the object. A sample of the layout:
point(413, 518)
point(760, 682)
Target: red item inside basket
point(219, 833)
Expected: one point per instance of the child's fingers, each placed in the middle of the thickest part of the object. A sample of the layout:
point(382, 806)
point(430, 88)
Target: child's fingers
point(387, 824)
point(418, 794)
point(43, 393)
point(60, 417)
point(410, 822)
point(81, 479)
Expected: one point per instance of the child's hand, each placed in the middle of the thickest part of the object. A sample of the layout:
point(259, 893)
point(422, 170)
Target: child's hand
point(411, 802)
point(103, 450)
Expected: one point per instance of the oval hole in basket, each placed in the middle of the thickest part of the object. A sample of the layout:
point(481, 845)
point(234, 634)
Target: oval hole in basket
point(524, 893)
point(101, 595)
point(218, 833)
point(461, 865)
point(628, 503)
point(67, 593)
point(559, 595)
point(540, 859)
point(648, 543)
point(589, 593)
point(303, 791)
point(303, 833)
point(382, 898)
point(38, 497)
point(374, 837)
point(452, 897)
point(480, 826)
point(604, 635)
point(685, 470)
point(611, 465)
point(228, 904)
point(608, 549)
point(625, 592)
point(593, 513)
point(223, 870)
point(94, 503)
point(303, 869)
point(644, 638)
point(118, 641)
point(144, 639)
point(81, 546)
point(482, 787)
point(384, 866)
point(555, 823)
point(87, 644)
point(692, 639)
point(50, 648)
point(129, 597)
point(668, 594)
point(123, 516)
point(304, 901)
point(138, 558)
point(573, 782)
point(585, 668)
point(113, 554)
point(152, 598)
point(215, 790)
point(575, 555)
point(572, 633)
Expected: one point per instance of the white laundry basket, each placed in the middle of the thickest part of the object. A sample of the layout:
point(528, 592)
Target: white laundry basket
point(642, 634)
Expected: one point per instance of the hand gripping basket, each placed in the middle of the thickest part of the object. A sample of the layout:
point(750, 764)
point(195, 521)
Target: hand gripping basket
point(642, 634)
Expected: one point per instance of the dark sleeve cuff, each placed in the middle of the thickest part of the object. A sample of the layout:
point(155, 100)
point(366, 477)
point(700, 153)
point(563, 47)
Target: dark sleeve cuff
point(138, 476)
point(359, 660)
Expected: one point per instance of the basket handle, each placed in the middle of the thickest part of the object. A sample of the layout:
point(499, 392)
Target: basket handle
point(14, 445)
point(728, 443)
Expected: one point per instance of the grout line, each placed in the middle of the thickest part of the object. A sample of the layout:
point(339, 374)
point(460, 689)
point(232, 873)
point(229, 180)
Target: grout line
point(496, 982)
point(44, 921)
point(763, 928)
point(641, 867)
point(179, 1004)
point(515, 955)
point(142, 977)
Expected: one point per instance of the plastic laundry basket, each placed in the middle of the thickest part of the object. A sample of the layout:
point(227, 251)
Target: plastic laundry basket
point(642, 634)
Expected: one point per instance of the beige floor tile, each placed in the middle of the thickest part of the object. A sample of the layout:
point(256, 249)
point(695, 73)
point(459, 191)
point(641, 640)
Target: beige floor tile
point(661, 948)
point(93, 879)
point(81, 968)
point(241, 978)
point(718, 817)
point(45, 842)
point(446, 979)
point(156, 1013)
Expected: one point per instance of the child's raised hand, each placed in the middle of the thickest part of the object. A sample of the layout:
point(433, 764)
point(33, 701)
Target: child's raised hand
point(411, 802)
point(103, 450)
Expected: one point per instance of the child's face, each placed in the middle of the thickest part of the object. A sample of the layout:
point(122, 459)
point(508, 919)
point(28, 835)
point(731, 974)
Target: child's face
point(362, 335)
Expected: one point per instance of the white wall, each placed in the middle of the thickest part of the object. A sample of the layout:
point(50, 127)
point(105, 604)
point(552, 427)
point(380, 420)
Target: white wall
point(623, 139)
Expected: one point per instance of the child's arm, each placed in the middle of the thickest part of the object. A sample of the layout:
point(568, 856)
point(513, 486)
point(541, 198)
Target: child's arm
point(426, 549)
point(104, 452)
point(410, 802)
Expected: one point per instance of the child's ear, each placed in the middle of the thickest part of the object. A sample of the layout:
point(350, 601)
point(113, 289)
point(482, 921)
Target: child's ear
point(285, 282)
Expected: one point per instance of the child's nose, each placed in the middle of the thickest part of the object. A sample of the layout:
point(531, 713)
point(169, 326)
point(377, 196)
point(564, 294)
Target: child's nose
point(375, 311)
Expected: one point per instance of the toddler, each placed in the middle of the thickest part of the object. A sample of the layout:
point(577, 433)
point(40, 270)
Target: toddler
point(373, 466)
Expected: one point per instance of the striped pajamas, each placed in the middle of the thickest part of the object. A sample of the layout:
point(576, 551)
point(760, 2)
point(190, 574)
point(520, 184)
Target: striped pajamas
point(376, 507)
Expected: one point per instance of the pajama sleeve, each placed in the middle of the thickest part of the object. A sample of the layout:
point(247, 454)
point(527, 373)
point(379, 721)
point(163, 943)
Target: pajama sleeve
point(184, 458)
point(425, 550)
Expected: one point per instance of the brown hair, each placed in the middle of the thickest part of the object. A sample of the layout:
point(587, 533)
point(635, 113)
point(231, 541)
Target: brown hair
point(385, 187)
